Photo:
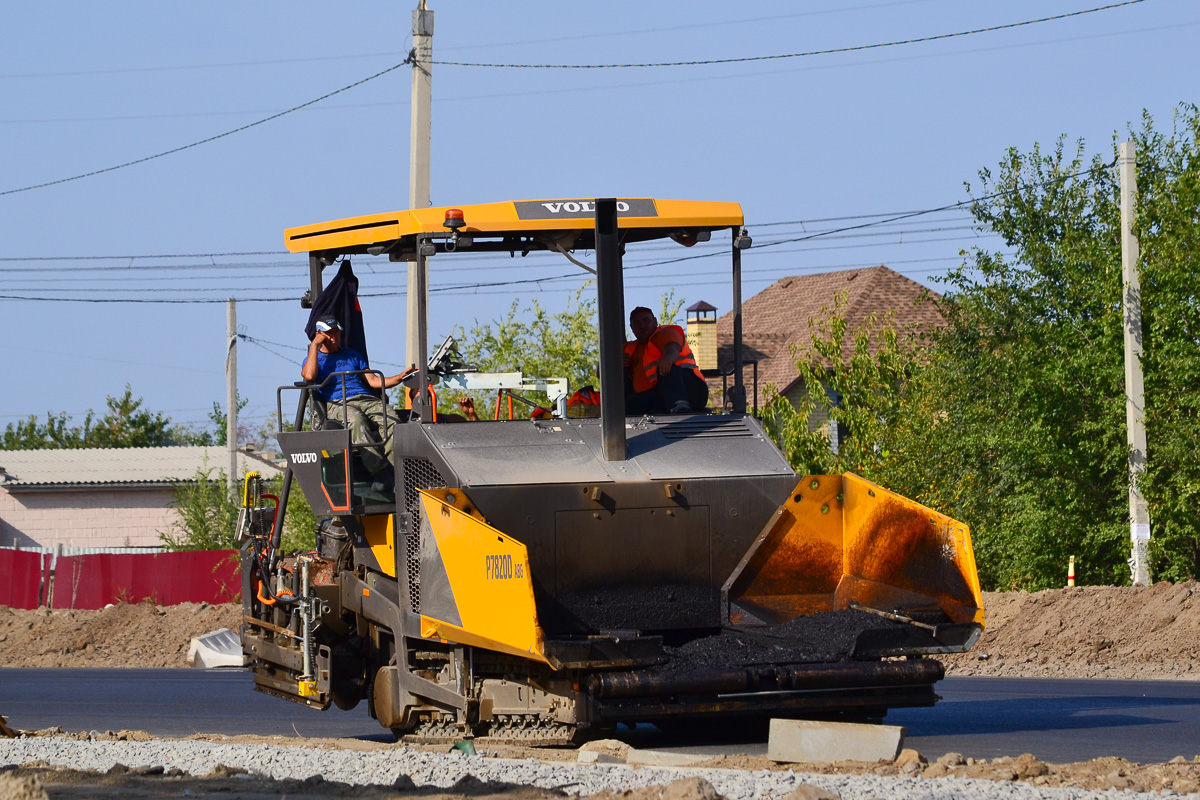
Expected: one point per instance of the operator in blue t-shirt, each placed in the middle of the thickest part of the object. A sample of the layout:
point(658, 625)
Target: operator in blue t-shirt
point(363, 411)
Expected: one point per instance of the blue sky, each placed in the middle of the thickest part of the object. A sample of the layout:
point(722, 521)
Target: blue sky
point(801, 143)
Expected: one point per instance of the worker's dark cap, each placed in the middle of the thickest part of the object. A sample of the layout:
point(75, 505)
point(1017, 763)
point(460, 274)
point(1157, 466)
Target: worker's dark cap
point(328, 324)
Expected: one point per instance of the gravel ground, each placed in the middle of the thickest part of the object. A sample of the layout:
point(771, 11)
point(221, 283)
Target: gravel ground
point(435, 771)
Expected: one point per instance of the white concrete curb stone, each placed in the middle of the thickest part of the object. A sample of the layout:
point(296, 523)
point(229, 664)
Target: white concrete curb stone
point(809, 742)
point(220, 648)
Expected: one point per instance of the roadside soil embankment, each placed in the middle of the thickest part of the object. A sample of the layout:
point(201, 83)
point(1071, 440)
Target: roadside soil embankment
point(1120, 632)
point(124, 635)
point(1082, 632)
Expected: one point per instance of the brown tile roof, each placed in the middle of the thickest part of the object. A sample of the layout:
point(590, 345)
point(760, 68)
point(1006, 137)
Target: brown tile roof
point(778, 317)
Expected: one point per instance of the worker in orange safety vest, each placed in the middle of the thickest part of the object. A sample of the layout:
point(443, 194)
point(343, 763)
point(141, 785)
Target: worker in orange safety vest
point(661, 376)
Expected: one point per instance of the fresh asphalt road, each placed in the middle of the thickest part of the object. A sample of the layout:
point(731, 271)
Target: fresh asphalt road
point(1056, 720)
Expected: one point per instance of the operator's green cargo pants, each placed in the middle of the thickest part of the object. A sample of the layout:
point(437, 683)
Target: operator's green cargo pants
point(364, 416)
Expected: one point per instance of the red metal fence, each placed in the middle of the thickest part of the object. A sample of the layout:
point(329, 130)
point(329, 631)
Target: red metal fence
point(96, 579)
point(21, 578)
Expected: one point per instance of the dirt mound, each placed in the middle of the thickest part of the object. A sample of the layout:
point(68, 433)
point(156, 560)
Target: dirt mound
point(1089, 632)
point(14, 787)
point(1084, 632)
point(138, 635)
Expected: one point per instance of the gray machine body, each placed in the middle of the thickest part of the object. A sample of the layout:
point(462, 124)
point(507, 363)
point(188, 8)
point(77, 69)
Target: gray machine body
point(642, 544)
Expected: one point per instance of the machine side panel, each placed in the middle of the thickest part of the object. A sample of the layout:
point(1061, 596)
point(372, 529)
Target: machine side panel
point(476, 588)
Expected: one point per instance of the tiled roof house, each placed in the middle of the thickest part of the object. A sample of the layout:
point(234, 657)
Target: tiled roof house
point(778, 317)
point(101, 497)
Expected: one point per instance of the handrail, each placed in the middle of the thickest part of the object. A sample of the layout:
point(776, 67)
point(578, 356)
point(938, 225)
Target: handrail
point(316, 387)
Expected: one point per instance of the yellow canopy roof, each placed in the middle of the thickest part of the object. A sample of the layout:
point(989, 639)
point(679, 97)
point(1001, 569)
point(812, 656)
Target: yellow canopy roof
point(645, 217)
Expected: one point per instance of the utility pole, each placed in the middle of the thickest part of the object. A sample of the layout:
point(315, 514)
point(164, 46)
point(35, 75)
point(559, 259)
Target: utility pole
point(1135, 392)
point(418, 163)
point(231, 408)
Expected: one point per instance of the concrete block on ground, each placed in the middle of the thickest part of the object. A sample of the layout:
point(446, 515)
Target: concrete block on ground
point(807, 741)
point(220, 648)
point(658, 758)
point(596, 757)
point(604, 751)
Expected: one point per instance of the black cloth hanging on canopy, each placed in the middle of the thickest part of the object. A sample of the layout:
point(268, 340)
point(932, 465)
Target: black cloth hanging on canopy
point(340, 300)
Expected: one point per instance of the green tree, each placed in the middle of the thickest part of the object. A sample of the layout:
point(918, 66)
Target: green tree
point(30, 434)
point(207, 515)
point(219, 434)
point(126, 423)
point(1028, 373)
point(543, 344)
point(1012, 418)
point(669, 308)
point(537, 343)
point(1031, 371)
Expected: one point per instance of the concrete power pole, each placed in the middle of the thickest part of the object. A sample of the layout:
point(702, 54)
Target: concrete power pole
point(231, 408)
point(418, 166)
point(1135, 393)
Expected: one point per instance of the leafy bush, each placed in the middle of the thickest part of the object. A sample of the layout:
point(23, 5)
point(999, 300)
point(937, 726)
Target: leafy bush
point(208, 515)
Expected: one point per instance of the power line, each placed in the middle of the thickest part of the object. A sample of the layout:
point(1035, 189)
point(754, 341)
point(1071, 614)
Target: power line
point(188, 67)
point(567, 66)
point(246, 269)
point(135, 301)
point(947, 207)
point(577, 89)
point(457, 257)
point(814, 220)
point(545, 283)
point(210, 138)
point(393, 53)
point(231, 254)
point(156, 268)
point(224, 288)
point(129, 258)
point(450, 289)
point(527, 281)
point(828, 51)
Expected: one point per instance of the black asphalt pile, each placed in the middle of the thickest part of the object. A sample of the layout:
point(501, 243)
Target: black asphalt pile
point(819, 638)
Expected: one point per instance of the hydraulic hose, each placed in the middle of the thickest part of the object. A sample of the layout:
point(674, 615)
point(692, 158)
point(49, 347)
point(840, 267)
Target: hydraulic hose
point(265, 584)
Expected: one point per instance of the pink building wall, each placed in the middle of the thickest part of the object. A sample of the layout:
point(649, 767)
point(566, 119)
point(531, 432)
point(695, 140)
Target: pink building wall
point(85, 518)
